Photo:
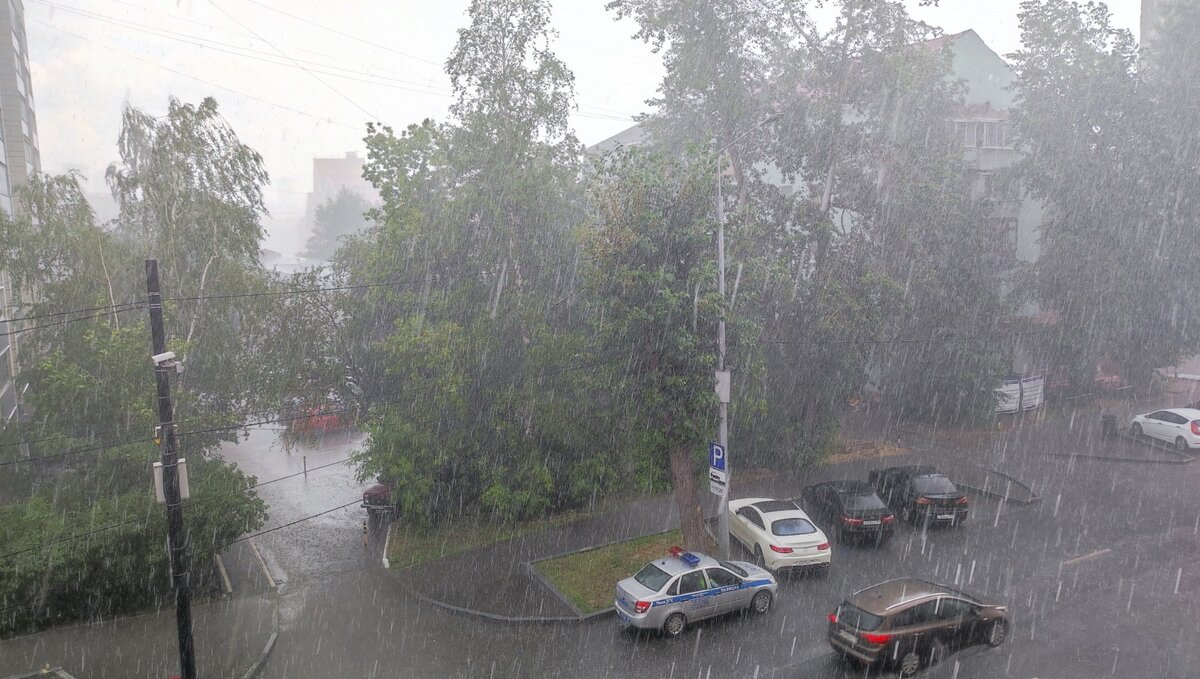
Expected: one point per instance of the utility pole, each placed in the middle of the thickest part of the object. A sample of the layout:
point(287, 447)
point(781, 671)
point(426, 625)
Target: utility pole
point(722, 376)
point(164, 365)
point(723, 380)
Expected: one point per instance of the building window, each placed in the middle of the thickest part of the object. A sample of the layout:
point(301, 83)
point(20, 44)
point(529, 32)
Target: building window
point(5, 369)
point(988, 134)
point(999, 186)
point(1004, 230)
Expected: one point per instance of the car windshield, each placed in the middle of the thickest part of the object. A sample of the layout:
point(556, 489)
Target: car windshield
point(651, 577)
point(796, 526)
point(857, 618)
point(934, 485)
point(735, 568)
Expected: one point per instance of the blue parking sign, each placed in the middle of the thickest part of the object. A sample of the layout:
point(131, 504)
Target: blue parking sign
point(716, 456)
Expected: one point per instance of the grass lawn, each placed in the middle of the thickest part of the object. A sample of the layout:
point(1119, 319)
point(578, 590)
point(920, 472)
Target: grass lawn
point(588, 578)
point(411, 546)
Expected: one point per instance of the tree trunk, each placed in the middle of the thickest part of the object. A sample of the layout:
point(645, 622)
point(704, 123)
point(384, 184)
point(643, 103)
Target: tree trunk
point(683, 487)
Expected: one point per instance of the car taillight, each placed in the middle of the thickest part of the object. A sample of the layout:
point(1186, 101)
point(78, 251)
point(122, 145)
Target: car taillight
point(823, 546)
point(924, 501)
point(851, 521)
point(833, 618)
point(888, 518)
point(876, 638)
point(781, 550)
point(641, 606)
point(1196, 427)
point(961, 501)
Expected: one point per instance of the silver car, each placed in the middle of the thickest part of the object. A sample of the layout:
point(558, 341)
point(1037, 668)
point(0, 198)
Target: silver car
point(684, 587)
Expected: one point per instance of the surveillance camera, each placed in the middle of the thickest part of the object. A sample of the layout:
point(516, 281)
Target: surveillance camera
point(162, 358)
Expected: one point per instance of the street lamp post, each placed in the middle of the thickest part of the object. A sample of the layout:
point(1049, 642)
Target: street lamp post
point(722, 375)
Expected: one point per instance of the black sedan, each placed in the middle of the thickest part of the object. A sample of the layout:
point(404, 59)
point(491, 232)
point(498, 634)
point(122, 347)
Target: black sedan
point(851, 509)
point(920, 494)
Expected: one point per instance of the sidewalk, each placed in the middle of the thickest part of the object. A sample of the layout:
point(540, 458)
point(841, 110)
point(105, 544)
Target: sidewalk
point(229, 636)
point(1009, 463)
point(495, 582)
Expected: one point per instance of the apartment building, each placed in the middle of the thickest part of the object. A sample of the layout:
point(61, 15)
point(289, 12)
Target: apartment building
point(19, 158)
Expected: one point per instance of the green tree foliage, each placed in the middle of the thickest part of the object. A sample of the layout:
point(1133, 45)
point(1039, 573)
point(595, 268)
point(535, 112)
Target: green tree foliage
point(96, 547)
point(651, 278)
point(190, 194)
point(1112, 150)
point(473, 239)
point(338, 218)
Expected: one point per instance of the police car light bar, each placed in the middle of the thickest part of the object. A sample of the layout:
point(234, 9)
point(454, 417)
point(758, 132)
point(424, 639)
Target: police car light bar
point(687, 557)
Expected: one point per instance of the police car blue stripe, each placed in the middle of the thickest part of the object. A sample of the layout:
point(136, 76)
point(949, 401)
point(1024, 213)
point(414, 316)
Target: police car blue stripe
point(679, 598)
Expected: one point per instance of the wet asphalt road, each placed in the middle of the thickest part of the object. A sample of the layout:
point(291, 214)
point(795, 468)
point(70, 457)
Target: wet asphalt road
point(1090, 575)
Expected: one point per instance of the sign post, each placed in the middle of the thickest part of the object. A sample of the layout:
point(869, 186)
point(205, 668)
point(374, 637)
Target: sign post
point(718, 479)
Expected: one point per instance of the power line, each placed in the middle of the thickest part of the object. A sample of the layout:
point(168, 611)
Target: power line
point(62, 322)
point(126, 522)
point(107, 307)
point(293, 523)
point(324, 119)
point(363, 286)
point(356, 71)
point(355, 75)
point(306, 70)
point(361, 410)
point(247, 413)
point(342, 33)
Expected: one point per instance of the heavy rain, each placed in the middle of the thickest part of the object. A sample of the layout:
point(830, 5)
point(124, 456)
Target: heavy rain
point(627, 338)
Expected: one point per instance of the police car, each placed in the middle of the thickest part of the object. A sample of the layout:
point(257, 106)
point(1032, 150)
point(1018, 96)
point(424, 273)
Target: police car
point(682, 588)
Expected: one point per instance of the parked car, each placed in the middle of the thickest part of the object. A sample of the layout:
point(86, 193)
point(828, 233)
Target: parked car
point(670, 593)
point(1178, 426)
point(910, 624)
point(377, 499)
point(779, 534)
point(851, 509)
point(920, 494)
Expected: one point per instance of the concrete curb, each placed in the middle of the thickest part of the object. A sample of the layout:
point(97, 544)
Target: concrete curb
point(531, 570)
point(45, 672)
point(490, 617)
point(1184, 459)
point(1004, 497)
point(257, 665)
point(1170, 455)
point(387, 541)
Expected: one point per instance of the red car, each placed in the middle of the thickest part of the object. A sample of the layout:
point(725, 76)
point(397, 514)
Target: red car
point(321, 419)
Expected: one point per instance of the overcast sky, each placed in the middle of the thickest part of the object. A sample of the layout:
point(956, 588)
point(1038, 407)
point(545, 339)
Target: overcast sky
point(298, 78)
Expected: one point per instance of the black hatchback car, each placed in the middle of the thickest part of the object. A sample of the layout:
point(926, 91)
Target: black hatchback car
point(920, 494)
point(851, 509)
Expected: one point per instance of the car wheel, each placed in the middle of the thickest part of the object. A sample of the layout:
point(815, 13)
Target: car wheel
point(937, 652)
point(674, 625)
point(761, 603)
point(1136, 430)
point(998, 633)
point(1181, 444)
point(910, 664)
point(758, 557)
